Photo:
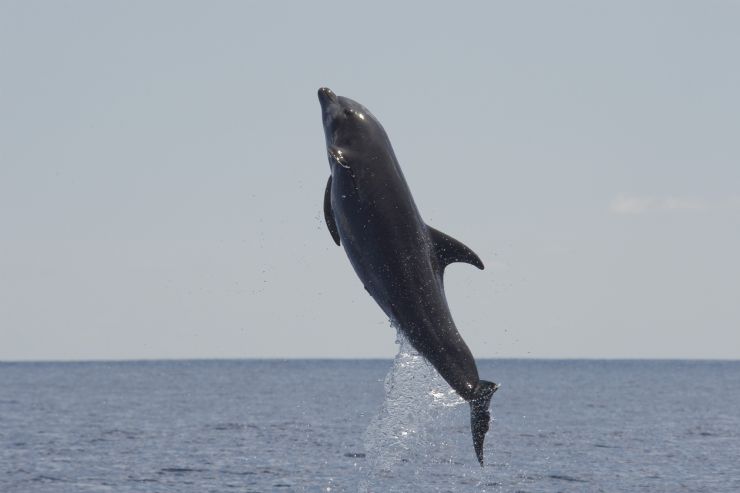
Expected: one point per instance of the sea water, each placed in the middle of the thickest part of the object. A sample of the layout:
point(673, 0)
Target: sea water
point(367, 425)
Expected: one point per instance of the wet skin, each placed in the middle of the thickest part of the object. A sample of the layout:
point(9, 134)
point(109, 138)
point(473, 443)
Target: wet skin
point(400, 260)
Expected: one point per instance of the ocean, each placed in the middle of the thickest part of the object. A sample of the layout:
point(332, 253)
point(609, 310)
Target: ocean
point(367, 425)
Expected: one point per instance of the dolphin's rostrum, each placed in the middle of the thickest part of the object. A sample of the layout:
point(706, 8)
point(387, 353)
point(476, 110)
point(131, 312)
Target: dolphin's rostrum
point(369, 210)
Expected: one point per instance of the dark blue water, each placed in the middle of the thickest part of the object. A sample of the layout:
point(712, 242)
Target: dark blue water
point(255, 426)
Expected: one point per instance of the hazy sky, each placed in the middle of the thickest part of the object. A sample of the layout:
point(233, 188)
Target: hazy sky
point(162, 169)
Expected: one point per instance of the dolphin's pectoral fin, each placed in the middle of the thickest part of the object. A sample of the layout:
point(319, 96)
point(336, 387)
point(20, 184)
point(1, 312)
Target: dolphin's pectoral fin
point(450, 250)
point(329, 213)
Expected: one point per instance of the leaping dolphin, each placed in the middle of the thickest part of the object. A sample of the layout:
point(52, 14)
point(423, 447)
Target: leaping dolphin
point(369, 210)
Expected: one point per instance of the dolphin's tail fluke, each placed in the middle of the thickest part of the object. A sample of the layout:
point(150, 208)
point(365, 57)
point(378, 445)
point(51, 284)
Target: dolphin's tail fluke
point(479, 415)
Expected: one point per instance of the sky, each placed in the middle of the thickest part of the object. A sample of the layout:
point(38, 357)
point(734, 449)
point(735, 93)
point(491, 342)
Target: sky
point(163, 164)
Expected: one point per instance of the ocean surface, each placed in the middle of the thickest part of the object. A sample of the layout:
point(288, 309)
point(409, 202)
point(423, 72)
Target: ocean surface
point(367, 425)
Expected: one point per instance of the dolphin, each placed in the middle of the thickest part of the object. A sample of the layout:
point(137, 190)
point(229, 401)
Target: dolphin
point(369, 210)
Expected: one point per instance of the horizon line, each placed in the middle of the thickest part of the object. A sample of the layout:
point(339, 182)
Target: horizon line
point(359, 359)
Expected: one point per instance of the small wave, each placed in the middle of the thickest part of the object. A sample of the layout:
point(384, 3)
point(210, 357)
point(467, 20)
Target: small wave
point(42, 478)
point(115, 432)
point(700, 431)
point(355, 455)
point(144, 480)
point(229, 426)
point(238, 473)
point(603, 445)
point(565, 477)
point(179, 470)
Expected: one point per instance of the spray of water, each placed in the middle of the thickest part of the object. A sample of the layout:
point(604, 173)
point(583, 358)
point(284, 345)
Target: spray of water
point(422, 421)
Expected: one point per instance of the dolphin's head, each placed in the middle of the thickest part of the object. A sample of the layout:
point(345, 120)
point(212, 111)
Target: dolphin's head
point(348, 125)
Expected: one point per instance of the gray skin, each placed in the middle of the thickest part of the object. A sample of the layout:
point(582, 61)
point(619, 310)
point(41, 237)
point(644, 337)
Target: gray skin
point(399, 258)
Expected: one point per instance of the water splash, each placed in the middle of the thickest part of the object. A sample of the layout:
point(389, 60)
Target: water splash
point(422, 421)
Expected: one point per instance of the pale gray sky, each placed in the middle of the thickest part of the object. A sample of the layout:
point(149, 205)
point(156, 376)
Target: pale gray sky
point(162, 169)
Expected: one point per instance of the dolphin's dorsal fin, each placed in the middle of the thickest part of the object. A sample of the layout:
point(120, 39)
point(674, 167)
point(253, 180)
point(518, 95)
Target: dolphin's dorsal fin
point(449, 250)
point(329, 213)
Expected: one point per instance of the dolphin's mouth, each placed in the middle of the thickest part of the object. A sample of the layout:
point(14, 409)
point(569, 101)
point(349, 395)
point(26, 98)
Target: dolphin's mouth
point(326, 96)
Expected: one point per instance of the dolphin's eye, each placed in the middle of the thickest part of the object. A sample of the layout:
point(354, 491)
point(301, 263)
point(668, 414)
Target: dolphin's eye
point(348, 112)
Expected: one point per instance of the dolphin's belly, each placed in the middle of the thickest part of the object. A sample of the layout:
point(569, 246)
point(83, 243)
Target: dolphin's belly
point(389, 250)
point(391, 253)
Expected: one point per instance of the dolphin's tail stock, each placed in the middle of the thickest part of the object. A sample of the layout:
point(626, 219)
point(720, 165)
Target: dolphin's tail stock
point(479, 415)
